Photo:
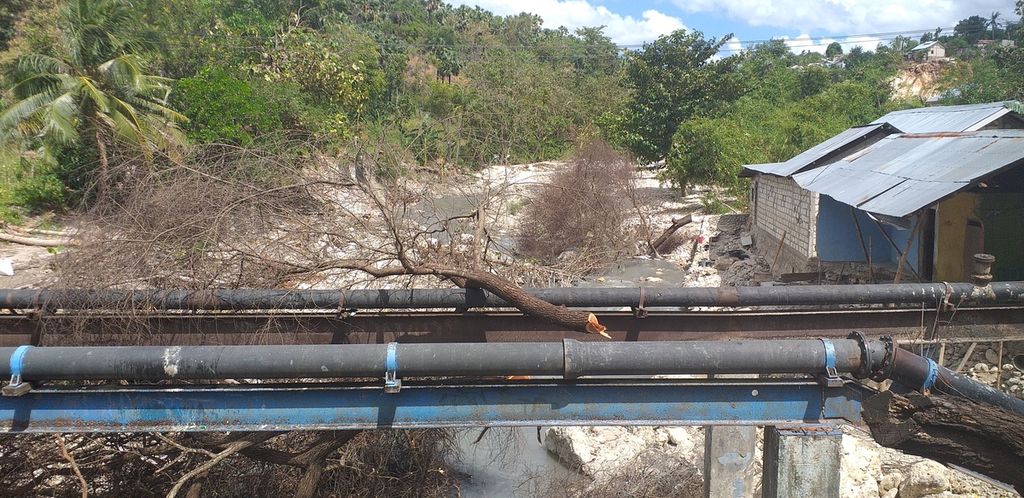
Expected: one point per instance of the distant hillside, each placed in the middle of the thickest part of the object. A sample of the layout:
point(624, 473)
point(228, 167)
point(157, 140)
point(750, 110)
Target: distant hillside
point(919, 79)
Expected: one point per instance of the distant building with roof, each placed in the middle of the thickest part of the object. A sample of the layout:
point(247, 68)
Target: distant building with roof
point(990, 44)
point(937, 184)
point(928, 51)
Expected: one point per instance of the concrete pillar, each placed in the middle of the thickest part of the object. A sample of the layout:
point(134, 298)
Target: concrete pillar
point(729, 461)
point(802, 461)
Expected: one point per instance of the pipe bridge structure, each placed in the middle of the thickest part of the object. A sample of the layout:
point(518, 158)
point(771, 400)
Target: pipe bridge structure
point(502, 369)
point(793, 359)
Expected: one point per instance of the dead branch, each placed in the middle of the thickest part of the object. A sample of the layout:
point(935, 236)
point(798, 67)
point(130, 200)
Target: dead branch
point(74, 466)
point(231, 449)
point(677, 223)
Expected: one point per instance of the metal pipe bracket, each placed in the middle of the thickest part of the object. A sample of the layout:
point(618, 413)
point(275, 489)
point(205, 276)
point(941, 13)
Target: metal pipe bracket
point(831, 376)
point(17, 387)
point(392, 384)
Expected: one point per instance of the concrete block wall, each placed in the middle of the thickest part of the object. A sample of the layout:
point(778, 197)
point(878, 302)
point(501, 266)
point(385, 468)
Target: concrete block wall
point(782, 207)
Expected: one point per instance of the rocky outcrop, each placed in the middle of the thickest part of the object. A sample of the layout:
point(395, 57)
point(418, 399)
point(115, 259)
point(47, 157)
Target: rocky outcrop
point(628, 458)
point(611, 454)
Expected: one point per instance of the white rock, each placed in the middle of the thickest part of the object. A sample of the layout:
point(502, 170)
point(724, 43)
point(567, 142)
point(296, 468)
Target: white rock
point(1008, 366)
point(981, 367)
point(7, 267)
point(654, 279)
point(890, 493)
point(860, 463)
point(685, 439)
point(890, 482)
point(924, 478)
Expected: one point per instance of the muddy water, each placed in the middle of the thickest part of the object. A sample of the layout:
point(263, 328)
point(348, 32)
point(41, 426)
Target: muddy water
point(637, 272)
point(507, 462)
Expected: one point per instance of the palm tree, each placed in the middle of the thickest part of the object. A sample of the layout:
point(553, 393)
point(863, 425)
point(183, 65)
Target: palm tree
point(994, 23)
point(94, 89)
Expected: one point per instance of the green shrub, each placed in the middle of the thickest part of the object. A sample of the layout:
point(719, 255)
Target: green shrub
point(41, 192)
point(706, 152)
point(223, 108)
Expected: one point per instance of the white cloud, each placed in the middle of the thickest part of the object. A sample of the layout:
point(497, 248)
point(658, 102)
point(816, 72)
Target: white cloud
point(849, 16)
point(624, 30)
point(804, 43)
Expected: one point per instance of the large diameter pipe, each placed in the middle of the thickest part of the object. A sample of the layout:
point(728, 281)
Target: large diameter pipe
point(913, 371)
point(570, 359)
point(266, 299)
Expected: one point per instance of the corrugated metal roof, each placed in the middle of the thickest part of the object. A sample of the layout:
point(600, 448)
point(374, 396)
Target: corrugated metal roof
point(752, 169)
point(970, 117)
point(823, 151)
point(901, 174)
point(925, 46)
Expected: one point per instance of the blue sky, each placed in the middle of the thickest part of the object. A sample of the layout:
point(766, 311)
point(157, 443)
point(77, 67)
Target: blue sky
point(806, 24)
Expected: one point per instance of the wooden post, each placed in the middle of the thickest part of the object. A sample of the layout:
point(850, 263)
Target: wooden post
point(778, 253)
point(999, 366)
point(967, 357)
point(863, 247)
point(906, 249)
point(895, 246)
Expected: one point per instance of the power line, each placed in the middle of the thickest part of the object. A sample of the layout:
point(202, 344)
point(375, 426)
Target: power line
point(746, 44)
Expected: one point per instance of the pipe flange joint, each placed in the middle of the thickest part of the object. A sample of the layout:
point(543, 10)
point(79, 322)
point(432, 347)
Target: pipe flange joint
point(17, 387)
point(866, 360)
point(392, 384)
point(929, 380)
point(884, 370)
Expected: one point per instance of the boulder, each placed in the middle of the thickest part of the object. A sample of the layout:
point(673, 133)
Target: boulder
point(860, 464)
point(924, 478)
point(609, 453)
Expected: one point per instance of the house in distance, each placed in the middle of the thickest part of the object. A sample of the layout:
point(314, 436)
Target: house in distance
point(919, 191)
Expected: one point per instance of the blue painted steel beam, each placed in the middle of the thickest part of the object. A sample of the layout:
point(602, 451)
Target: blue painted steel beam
point(318, 407)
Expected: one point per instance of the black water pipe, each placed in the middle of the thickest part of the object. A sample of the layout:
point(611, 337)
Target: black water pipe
point(569, 359)
point(268, 299)
point(912, 371)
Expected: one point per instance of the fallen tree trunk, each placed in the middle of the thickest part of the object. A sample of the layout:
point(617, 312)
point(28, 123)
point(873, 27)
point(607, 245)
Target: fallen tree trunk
point(572, 319)
point(677, 223)
point(980, 437)
point(31, 241)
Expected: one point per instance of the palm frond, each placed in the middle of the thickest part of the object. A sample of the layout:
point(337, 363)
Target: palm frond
point(41, 64)
point(120, 107)
point(60, 119)
point(24, 109)
point(158, 108)
point(94, 94)
point(36, 84)
point(124, 72)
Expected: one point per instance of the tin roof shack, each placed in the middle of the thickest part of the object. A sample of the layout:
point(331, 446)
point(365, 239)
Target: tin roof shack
point(928, 51)
point(877, 192)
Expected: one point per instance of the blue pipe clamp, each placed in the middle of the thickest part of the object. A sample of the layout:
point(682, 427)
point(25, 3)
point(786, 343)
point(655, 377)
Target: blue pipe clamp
point(392, 384)
point(929, 380)
point(16, 387)
point(831, 377)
